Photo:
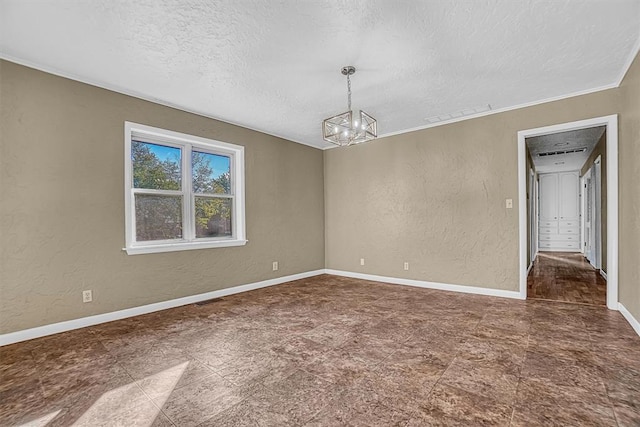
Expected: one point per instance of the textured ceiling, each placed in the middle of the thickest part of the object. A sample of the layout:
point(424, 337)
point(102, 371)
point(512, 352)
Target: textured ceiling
point(274, 65)
point(563, 141)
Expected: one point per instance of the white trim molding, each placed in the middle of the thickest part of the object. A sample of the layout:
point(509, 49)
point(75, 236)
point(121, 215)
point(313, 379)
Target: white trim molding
point(69, 325)
point(428, 285)
point(499, 110)
point(611, 123)
point(635, 324)
point(603, 274)
point(632, 56)
point(327, 146)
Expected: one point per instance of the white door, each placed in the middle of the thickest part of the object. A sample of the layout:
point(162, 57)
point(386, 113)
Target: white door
point(532, 216)
point(597, 209)
point(588, 216)
point(569, 202)
point(549, 197)
point(583, 216)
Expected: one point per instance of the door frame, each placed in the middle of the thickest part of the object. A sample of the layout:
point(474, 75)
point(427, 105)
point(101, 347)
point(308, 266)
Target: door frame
point(597, 165)
point(583, 216)
point(589, 200)
point(593, 174)
point(533, 218)
point(611, 123)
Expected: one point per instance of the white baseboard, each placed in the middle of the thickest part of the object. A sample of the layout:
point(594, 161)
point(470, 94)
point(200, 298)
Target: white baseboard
point(55, 328)
point(429, 285)
point(530, 267)
point(632, 320)
point(603, 274)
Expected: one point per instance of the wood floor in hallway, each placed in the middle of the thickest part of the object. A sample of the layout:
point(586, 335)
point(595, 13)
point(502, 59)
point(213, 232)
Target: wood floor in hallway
point(566, 276)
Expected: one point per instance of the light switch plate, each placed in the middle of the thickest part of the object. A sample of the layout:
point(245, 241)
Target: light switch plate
point(509, 203)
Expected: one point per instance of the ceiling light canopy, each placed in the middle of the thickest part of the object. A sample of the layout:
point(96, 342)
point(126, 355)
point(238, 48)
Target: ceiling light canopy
point(350, 127)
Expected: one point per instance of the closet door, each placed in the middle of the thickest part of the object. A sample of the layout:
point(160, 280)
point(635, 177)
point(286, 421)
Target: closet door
point(569, 201)
point(559, 212)
point(548, 198)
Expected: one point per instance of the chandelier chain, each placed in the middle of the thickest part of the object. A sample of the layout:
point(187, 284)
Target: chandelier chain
point(349, 91)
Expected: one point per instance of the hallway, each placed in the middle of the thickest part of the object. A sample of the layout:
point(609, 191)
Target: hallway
point(567, 277)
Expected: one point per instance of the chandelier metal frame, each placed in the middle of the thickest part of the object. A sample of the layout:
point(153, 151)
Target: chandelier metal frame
point(349, 128)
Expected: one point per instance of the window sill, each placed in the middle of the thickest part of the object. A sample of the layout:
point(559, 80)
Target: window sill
point(174, 247)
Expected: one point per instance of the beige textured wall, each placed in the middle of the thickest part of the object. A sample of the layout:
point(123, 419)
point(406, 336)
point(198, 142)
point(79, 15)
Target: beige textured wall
point(600, 150)
point(436, 197)
point(62, 205)
point(629, 158)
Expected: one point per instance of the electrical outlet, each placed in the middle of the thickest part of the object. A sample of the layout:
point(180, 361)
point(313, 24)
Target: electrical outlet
point(406, 266)
point(87, 296)
point(275, 265)
point(361, 261)
point(509, 203)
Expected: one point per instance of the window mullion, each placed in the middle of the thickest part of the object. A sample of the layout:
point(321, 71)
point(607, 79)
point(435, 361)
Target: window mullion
point(214, 196)
point(157, 192)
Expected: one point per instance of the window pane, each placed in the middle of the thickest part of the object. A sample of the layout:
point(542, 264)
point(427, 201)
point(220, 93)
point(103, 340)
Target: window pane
point(211, 173)
point(213, 217)
point(156, 166)
point(158, 217)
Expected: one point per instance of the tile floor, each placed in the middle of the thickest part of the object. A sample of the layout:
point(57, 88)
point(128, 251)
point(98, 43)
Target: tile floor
point(566, 276)
point(332, 351)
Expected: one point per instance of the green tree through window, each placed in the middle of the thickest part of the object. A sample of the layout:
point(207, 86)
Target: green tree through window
point(211, 177)
point(149, 171)
point(158, 217)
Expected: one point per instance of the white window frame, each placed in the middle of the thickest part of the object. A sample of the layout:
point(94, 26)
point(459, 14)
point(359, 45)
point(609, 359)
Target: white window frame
point(187, 143)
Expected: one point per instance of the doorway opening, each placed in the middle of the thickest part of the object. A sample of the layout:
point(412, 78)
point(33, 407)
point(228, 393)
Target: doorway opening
point(568, 191)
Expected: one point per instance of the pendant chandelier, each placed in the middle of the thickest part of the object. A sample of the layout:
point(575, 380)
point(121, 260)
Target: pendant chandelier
point(350, 127)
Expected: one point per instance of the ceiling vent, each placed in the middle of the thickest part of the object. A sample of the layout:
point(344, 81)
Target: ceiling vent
point(555, 153)
point(452, 116)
